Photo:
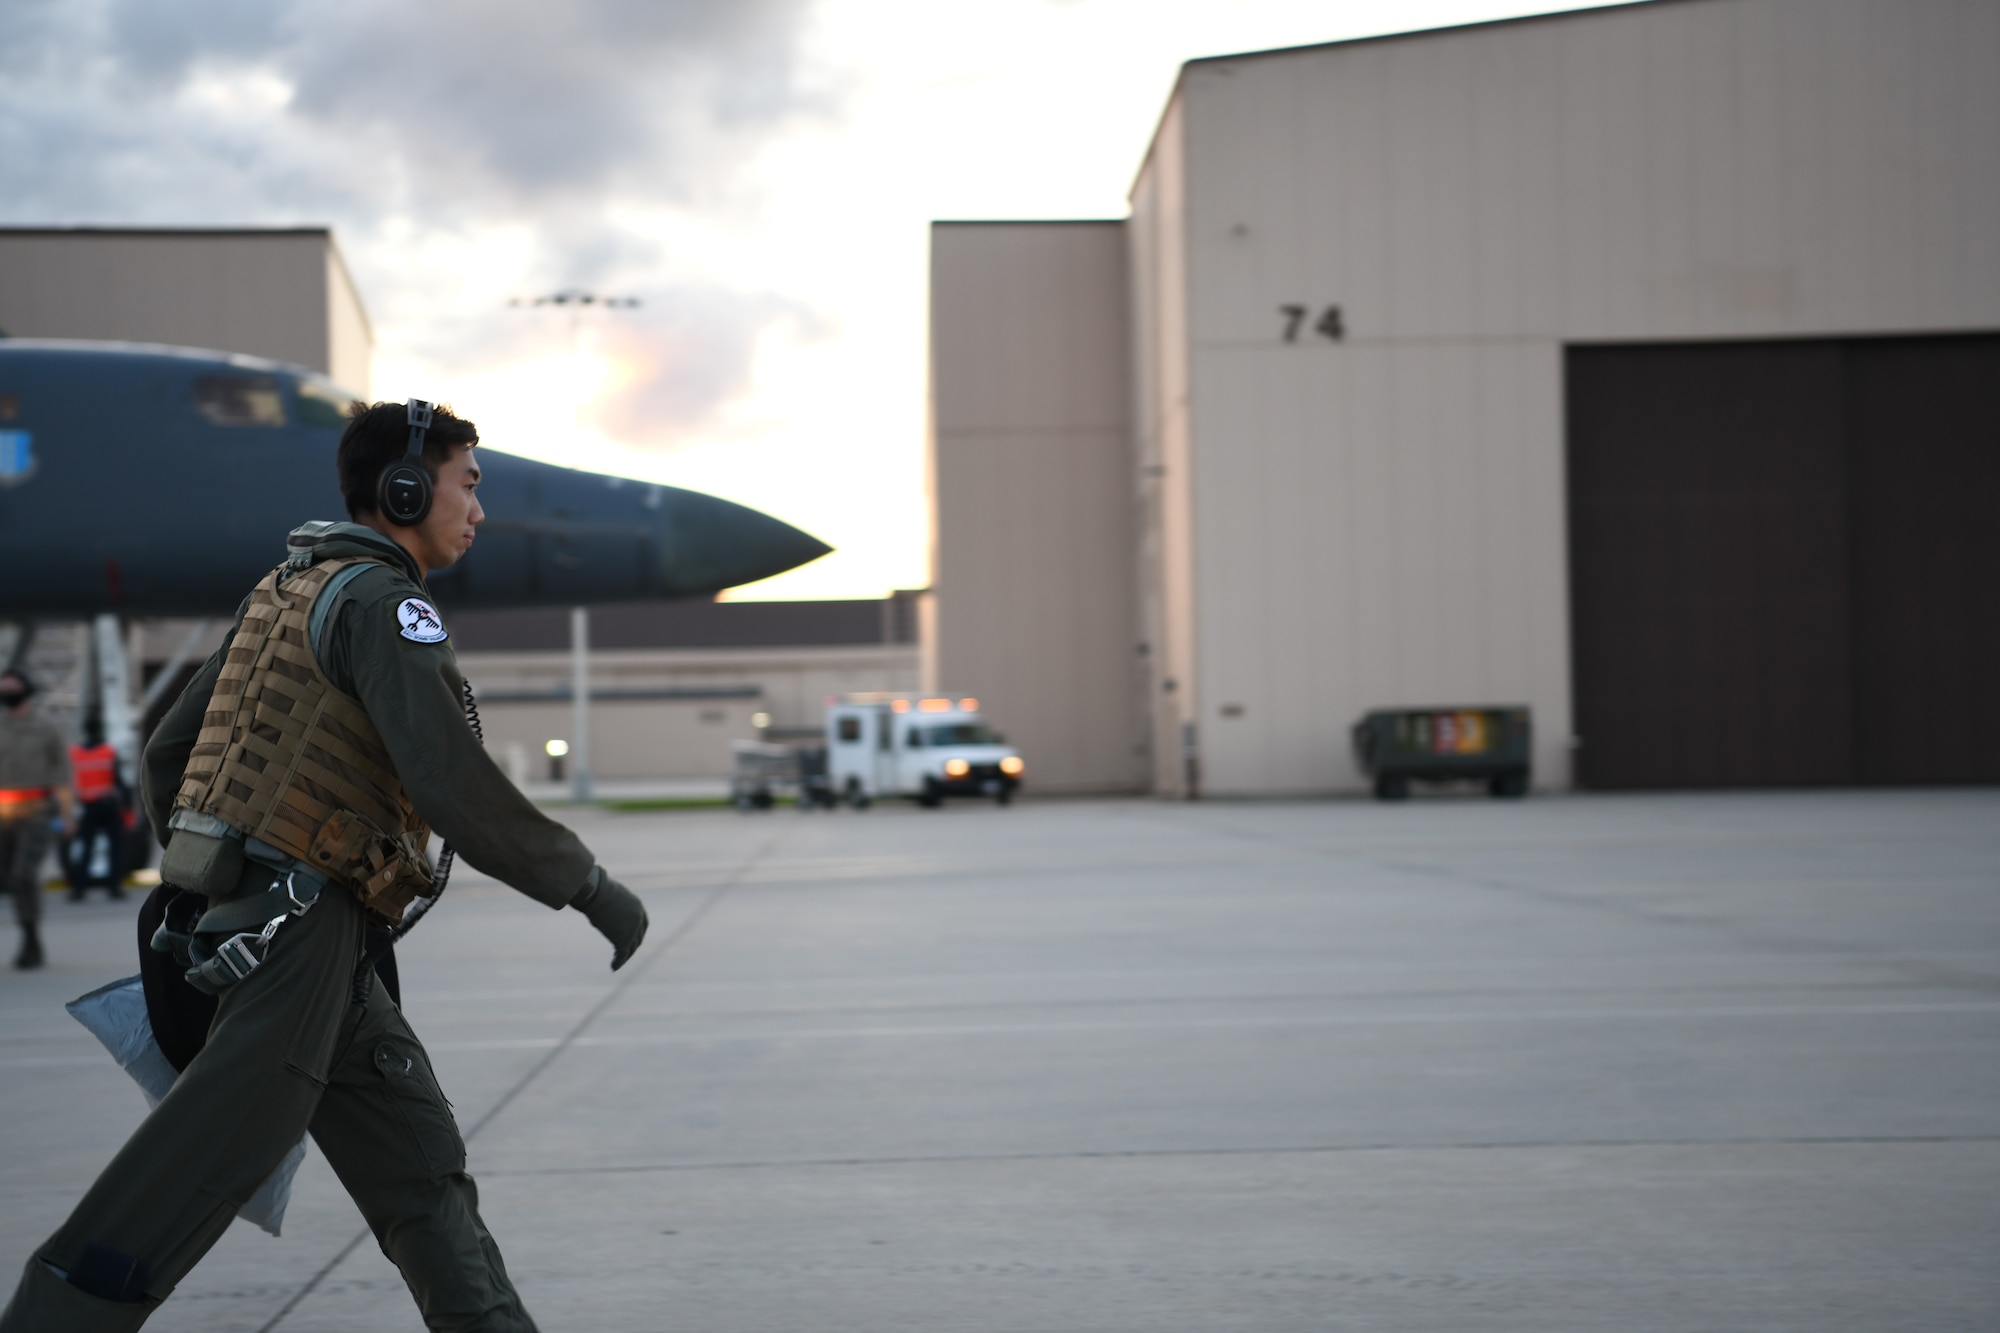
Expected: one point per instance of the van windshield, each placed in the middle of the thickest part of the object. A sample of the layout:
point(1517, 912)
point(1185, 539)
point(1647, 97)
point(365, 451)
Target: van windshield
point(961, 733)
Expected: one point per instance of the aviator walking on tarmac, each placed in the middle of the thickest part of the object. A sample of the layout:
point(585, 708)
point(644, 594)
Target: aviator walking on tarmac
point(297, 781)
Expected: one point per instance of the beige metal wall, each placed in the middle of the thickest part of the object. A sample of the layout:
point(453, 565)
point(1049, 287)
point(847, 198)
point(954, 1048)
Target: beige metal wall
point(653, 739)
point(1380, 520)
point(284, 295)
point(1031, 474)
point(350, 341)
point(673, 738)
point(1163, 462)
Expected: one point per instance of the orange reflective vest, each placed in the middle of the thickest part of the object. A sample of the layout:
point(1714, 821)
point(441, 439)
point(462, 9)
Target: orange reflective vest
point(96, 771)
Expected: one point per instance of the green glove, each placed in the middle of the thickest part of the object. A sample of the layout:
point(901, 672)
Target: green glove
point(616, 912)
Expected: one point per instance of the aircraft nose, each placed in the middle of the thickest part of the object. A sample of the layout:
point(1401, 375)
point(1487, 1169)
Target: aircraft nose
point(558, 536)
point(707, 544)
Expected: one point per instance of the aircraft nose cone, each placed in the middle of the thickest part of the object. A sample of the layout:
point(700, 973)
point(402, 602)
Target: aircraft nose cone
point(707, 544)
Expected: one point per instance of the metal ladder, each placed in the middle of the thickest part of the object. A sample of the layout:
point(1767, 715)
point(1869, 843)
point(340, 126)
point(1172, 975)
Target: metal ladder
point(58, 657)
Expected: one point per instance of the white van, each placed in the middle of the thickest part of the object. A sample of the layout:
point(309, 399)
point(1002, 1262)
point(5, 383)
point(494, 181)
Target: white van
point(897, 745)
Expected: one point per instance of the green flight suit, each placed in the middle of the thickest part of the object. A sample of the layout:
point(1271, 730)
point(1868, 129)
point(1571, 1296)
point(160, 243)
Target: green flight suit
point(32, 758)
point(290, 1049)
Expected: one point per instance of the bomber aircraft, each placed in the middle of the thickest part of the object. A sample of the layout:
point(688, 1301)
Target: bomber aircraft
point(144, 480)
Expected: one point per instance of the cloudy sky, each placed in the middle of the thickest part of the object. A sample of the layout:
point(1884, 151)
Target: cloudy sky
point(759, 174)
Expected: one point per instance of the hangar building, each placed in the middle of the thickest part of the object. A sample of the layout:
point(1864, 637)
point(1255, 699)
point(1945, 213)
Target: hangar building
point(277, 292)
point(1639, 364)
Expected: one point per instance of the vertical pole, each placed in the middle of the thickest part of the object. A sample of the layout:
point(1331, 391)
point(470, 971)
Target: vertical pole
point(114, 698)
point(579, 685)
point(1191, 761)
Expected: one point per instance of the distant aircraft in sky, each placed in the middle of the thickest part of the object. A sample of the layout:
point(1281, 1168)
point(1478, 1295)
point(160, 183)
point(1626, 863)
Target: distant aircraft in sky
point(161, 481)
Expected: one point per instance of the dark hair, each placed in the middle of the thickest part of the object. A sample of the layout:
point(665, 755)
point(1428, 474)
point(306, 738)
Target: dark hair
point(28, 686)
point(376, 436)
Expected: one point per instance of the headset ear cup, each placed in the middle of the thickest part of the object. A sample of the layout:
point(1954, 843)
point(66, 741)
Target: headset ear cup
point(404, 494)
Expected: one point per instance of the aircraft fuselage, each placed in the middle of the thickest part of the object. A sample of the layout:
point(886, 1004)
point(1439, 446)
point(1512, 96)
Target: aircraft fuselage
point(150, 480)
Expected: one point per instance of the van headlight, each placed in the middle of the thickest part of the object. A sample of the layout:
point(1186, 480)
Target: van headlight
point(956, 768)
point(1012, 765)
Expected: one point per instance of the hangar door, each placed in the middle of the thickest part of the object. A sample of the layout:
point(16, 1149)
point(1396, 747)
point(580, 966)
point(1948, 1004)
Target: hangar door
point(1785, 562)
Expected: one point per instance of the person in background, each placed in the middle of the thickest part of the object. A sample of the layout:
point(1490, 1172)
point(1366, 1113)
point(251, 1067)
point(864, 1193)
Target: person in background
point(104, 803)
point(34, 786)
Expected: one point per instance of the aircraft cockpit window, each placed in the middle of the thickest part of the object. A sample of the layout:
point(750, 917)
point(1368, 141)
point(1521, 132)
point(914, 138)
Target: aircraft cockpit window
point(323, 403)
point(239, 400)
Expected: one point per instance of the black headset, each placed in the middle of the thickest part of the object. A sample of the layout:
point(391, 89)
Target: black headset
point(403, 493)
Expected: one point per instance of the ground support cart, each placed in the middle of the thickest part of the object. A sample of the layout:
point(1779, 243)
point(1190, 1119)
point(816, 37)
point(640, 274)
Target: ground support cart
point(1398, 746)
point(764, 772)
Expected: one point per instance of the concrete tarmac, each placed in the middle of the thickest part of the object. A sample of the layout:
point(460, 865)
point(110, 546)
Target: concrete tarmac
point(1593, 1063)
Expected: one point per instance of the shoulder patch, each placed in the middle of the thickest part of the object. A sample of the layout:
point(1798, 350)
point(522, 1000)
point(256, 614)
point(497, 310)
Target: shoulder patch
point(418, 621)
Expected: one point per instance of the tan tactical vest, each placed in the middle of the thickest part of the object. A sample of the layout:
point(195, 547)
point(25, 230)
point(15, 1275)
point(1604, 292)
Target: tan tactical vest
point(286, 758)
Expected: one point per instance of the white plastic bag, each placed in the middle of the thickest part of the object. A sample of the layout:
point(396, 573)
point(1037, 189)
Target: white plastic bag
point(116, 1015)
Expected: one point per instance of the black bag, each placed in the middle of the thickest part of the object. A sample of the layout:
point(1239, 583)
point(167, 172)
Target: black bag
point(181, 1014)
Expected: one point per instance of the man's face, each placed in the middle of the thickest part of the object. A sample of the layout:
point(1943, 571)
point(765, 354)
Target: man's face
point(446, 532)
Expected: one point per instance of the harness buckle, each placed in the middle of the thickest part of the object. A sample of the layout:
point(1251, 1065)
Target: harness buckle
point(236, 954)
point(299, 906)
point(234, 959)
point(244, 952)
